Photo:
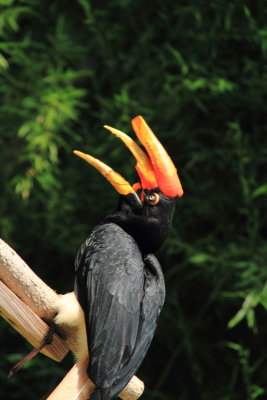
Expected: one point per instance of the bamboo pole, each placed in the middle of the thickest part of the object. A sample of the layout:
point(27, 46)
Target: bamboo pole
point(18, 276)
point(41, 299)
point(28, 324)
point(76, 385)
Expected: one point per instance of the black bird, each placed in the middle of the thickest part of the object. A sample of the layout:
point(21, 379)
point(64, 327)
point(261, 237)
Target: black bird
point(118, 281)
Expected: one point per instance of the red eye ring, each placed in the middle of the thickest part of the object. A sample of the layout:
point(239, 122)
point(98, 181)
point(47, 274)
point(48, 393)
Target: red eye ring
point(152, 199)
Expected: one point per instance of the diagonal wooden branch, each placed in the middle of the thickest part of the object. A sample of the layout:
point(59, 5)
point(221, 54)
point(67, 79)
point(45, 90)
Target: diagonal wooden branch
point(32, 294)
point(28, 324)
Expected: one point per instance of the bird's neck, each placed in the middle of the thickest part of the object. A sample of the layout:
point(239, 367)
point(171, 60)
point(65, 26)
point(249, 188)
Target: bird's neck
point(148, 236)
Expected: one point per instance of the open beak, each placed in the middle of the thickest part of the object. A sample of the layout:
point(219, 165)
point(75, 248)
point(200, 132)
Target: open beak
point(155, 169)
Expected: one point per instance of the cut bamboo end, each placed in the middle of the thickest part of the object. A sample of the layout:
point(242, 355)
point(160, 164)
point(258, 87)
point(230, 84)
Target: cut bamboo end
point(133, 390)
point(28, 324)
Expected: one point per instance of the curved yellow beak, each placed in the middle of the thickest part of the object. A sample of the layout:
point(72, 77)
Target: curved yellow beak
point(117, 181)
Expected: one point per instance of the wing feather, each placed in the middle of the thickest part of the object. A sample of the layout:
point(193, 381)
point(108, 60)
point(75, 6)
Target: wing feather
point(110, 287)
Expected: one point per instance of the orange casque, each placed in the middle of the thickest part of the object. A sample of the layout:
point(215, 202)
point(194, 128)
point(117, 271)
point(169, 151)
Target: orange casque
point(157, 170)
point(164, 169)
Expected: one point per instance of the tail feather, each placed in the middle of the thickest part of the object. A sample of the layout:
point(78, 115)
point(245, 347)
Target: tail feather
point(96, 396)
point(110, 393)
point(102, 394)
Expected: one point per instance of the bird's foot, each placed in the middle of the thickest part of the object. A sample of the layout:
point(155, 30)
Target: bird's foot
point(46, 341)
point(70, 313)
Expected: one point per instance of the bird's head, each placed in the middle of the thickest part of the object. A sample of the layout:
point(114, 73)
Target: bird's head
point(146, 208)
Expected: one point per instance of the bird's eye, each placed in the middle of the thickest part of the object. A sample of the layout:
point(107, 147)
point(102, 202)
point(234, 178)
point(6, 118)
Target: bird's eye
point(153, 199)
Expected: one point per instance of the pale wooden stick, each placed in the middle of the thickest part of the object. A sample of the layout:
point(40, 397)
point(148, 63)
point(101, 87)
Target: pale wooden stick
point(16, 274)
point(22, 281)
point(76, 386)
point(28, 324)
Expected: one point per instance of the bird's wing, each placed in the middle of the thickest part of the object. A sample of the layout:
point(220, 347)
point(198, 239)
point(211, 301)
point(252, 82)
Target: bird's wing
point(110, 287)
point(154, 296)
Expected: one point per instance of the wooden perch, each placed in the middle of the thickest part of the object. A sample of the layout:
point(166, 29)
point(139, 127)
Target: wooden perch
point(76, 383)
point(24, 301)
point(28, 324)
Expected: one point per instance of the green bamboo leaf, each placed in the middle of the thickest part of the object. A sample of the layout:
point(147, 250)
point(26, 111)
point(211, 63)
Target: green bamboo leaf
point(250, 302)
point(200, 258)
point(3, 62)
point(259, 191)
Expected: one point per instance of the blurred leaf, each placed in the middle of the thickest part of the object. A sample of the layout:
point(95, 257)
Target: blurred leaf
point(3, 62)
point(200, 258)
point(260, 190)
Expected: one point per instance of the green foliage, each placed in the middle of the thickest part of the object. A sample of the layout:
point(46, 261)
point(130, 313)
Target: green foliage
point(196, 72)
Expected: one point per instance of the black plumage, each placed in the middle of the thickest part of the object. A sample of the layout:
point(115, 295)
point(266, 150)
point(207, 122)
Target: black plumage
point(121, 291)
point(119, 282)
point(120, 287)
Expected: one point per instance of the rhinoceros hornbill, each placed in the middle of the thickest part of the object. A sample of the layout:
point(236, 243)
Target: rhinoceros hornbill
point(118, 281)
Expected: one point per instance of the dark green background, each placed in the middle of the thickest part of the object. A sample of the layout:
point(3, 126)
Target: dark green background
point(196, 70)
